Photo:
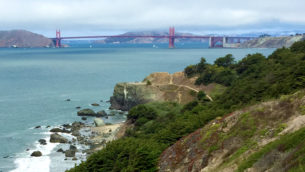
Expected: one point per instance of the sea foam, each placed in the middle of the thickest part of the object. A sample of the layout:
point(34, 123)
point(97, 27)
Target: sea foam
point(26, 163)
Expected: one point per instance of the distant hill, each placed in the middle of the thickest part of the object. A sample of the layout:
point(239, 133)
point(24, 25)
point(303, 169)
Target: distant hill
point(272, 42)
point(23, 38)
point(148, 40)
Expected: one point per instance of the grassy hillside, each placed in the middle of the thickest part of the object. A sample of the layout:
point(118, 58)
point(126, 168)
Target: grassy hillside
point(157, 126)
point(266, 136)
point(23, 38)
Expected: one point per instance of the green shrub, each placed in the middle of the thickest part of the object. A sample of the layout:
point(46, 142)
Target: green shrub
point(201, 96)
point(298, 47)
point(225, 61)
point(148, 82)
point(141, 111)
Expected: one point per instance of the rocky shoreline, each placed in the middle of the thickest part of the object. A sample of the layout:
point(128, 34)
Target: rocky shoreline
point(76, 141)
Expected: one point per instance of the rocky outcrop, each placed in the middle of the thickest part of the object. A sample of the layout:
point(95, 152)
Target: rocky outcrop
point(56, 138)
point(272, 42)
point(86, 112)
point(71, 151)
point(160, 86)
point(36, 154)
point(101, 113)
point(227, 142)
point(58, 130)
point(22, 38)
point(42, 141)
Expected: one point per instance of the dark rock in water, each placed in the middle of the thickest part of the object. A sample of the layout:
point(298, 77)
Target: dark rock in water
point(67, 125)
point(72, 147)
point(101, 101)
point(38, 127)
point(42, 141)
point(122, 113)
point(106, 117)
point(74, 159)
point(48, 126)
point(66, 159)
point(70, 153)
point(58, 130)
point(60, 150)
point(101, 113)
point(36, 154)
point(56, 138)
point(77, 126)
point(84, 118)
point(108, 101)
point(68, 100)
point(6, 156)
point(78, 107)
point(95, 104)
point(75, 133)
point(86, 112)
point(27, 149)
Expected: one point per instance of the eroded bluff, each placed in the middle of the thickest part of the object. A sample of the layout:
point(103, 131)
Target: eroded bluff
point(160, 86)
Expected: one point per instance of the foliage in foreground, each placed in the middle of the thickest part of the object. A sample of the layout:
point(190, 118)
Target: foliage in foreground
point(159, 125)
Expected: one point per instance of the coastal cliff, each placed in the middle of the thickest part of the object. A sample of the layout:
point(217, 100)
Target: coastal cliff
point(160, 86)
point(272, 42)
point(23, 38)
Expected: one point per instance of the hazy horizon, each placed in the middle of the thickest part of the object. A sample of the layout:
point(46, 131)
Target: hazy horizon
point(104, 17)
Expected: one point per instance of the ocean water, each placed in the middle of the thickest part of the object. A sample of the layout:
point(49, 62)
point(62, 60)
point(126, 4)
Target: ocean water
point(34, 84)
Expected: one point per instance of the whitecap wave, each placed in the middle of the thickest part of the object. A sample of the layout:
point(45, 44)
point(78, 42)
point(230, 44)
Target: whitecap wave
point(26, 163)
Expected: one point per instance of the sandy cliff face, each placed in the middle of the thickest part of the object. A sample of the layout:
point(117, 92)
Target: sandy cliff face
point(160, 86)
point(226, 143)
point(272, 42)
point(22, 38)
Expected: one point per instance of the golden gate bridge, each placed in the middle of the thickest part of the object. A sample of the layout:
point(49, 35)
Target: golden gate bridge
point(214, 41)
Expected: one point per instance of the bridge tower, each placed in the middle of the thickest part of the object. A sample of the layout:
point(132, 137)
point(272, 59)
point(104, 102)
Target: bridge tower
point(216, 42)
point(58, 39)
point(171, 37)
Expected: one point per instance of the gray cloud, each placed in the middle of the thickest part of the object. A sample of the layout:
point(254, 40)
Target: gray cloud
point(111, 16)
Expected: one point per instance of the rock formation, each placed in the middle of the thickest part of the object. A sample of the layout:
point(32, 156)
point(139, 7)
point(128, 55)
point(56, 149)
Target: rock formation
point(160, 86)
point(56, 138)
point(86, 112)
point(36, 154)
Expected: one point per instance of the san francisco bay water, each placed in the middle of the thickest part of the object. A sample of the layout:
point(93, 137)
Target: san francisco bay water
point(34, 84)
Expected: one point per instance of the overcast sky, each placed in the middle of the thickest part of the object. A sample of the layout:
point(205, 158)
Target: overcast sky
point(83, 17)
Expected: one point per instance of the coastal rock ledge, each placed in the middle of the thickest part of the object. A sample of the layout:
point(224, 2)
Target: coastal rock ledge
point(160, 86)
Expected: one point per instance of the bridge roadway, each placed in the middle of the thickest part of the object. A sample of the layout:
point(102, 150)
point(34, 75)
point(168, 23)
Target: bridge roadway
point(214, 41)
point(151, 36)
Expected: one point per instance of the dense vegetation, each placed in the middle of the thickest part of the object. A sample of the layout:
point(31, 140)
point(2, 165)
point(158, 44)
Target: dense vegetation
point(159, 125)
